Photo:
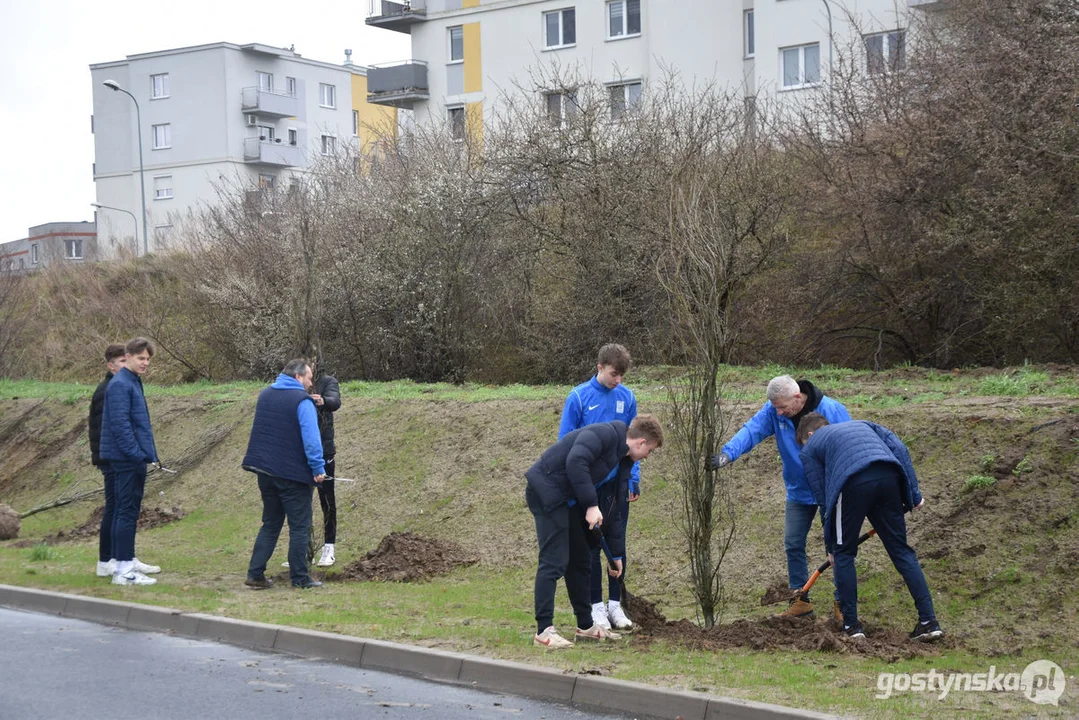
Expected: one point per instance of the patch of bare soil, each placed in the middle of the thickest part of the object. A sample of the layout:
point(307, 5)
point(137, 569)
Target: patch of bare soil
point(774, 633)
point(149, 518)
point(407, 557)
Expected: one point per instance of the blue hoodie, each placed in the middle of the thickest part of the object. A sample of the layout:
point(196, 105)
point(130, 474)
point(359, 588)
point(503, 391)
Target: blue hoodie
point(591, 402)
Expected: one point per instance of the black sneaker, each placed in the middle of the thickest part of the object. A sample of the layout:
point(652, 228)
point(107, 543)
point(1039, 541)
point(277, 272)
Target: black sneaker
point(307, 584)
point(854, 632)
point(262, 583)
point(927, 631)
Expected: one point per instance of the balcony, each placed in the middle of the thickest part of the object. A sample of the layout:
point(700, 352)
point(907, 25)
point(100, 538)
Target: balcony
point(267, 152)
point(399, 84)
point(396, 16)
point(269, 103)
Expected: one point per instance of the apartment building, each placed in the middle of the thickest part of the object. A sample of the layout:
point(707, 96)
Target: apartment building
point(54, 242)
point(245, 117)
point(467, 53)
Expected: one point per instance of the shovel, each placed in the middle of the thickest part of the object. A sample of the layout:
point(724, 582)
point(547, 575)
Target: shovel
point(598, 533)
point(804, 590)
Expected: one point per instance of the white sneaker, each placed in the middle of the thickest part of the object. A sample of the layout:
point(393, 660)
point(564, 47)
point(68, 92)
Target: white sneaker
point(132, 578)
point(141, 567)
point(551, 640)
point(327, 558)
point(284, 564)
point(599, 616)
point(617, 616)
point(106, 569)
point(595, 633)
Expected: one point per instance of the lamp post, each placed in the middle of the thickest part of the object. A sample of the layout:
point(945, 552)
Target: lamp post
point(133, 218)
point(113, 85)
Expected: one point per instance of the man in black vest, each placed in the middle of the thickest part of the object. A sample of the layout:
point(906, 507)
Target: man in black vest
point(285, 452)
point(561, 494)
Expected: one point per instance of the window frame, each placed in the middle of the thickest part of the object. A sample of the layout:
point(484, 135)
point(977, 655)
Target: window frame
point(332, 144)
point(166, 133)
point(627, 102)
point(450, 59)
point(73, 249)
point(355, 123)
point(259, 76)
point(327, 95)
point(267, 181)
point(802, 82)
point(458, 128)
point(269, 135)
point(887, 62)
point(749, 41)
point(290, 86)
point(561, 14)
point(165, 89)
point(625, 34)
point(293, 136)
point(566, 113)
point(34, 257)
point(164, 193)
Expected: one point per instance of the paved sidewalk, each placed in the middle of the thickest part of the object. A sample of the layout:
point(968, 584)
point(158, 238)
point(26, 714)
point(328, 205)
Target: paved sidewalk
point(498, 676)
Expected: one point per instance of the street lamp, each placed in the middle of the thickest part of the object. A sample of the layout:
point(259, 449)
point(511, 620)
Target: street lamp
point(110, 207)
point(113, 85)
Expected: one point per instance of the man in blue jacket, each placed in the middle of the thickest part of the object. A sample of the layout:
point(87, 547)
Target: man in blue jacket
point(604, 399)
point(859, 470)
point(285, 453)
point(561, 495)
point(106, 561)
point(127, 444)
point(788, 402)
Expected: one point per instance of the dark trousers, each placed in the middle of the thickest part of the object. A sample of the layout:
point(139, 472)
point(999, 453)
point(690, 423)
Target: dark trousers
point(129, 485)
point(615, 508)
point(329, 505)
point(564, 551)
point(281, 500)
point(104, 544)
point(875, 496)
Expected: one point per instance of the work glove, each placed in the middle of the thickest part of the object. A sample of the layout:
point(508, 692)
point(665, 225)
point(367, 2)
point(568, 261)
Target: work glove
point(717, 461)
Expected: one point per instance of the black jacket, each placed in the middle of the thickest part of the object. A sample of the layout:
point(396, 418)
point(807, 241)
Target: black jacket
point(576, 464)
point(327, 387)
point(97, 409)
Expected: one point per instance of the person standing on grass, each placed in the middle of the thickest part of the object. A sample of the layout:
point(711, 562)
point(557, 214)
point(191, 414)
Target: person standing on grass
point(789, 401)
point(106, 561)
point(327, 396)
point(603, 399)
point(127, 445)
point(561, 495)
point(285, 453)
point(858, 470)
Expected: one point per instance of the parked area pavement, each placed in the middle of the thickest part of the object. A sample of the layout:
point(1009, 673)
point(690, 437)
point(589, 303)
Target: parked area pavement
point(192, 665)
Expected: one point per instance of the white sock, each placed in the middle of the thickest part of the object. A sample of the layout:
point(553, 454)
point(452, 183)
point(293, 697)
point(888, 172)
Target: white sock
point(329, 546)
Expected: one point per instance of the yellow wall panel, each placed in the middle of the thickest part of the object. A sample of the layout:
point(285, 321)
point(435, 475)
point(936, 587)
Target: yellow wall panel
point(376, 121)
point(473, 62)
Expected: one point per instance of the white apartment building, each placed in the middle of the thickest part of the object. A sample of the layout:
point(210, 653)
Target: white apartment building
point(467, 53)
point(242, 116)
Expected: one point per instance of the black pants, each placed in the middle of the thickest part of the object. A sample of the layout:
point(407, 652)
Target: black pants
point(564, 551)
point(328, 502)
point(104, 545)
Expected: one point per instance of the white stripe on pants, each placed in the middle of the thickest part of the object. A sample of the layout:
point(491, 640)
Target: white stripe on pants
point(839, 520)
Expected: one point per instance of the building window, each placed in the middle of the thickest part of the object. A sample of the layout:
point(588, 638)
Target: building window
point(623, 18)
point(162, 136)
point(265, 81)
point(327, 95)
point(33, 254)
point(159, 86)
point(885, 52)
point(457, 122)
point(457, 44)
point(801, 65)
point(561, 107)
point(747, 33)
point(266, 182)
point(560, 28)
point(623, 97)
point(329, 144)
point(355, 122)
point(290, 86)
point(73, 248)
point(267, 133)
point(162, 187)
point(292, 136)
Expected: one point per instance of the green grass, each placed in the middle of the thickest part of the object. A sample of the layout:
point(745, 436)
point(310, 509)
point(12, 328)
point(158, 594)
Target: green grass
point(41, 552)
point(978, 482)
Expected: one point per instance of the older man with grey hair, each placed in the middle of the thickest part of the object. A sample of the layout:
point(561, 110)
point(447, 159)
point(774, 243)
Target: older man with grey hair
point(788, 402)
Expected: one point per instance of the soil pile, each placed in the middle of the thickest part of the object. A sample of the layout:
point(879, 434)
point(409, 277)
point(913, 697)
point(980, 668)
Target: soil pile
point(773, 633)
point(407, 557)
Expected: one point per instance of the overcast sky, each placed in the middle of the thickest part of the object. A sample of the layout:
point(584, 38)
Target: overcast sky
point(47, 46)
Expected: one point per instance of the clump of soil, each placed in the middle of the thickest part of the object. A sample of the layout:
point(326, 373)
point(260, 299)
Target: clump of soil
point(149, 518)
point(773, 633)
point(777, 592)
point(407, 557)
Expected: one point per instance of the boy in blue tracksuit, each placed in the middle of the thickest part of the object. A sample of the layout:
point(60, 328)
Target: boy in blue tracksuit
point(788, 402)
point(603, 399)
point(859, 470)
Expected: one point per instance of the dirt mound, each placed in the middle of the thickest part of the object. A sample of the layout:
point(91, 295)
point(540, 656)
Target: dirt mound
point(773, 633)
point(407, 557)
point(149, 518)
point(777, 592)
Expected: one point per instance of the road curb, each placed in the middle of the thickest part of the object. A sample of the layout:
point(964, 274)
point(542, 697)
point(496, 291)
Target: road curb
point(482, 673)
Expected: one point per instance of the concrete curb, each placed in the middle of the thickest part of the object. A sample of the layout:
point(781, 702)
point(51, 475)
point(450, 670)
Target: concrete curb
point(439, 665)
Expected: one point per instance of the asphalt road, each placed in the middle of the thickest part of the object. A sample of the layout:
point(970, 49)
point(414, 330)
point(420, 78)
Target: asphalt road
point(54, 668)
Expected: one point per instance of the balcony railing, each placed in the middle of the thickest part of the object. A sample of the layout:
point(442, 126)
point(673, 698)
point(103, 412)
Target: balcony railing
point(398, 84)
point(268, 102)
point(397, 16)
point(273, 152)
